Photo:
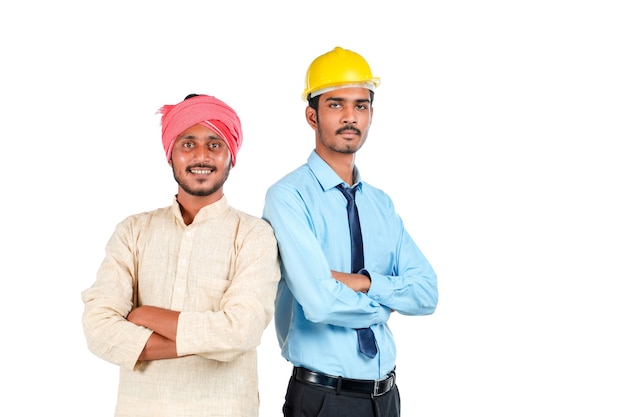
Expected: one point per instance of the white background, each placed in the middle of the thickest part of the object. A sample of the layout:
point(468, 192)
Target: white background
point(499, 132)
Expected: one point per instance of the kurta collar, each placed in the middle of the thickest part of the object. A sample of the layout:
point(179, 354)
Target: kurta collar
point(206, 213)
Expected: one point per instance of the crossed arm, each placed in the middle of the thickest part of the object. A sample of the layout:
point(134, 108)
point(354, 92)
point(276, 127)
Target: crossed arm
point(357, 282)
point(164, 324)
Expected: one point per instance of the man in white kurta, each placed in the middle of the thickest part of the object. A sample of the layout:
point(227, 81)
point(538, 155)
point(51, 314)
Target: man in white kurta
point(185, 292)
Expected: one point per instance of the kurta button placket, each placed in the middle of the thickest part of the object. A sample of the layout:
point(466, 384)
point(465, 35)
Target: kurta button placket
point(182, 270)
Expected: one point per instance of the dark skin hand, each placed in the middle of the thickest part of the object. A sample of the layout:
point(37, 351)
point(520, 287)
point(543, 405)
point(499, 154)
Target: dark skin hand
point(357, 282)
point(164, 324)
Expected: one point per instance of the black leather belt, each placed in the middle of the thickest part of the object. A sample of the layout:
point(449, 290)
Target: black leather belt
point(374, 387)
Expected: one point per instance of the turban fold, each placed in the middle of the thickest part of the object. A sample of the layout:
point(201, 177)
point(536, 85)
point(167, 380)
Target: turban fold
point(205, 110)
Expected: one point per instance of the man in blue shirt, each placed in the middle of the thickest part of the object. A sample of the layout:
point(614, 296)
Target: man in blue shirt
point(327, 296)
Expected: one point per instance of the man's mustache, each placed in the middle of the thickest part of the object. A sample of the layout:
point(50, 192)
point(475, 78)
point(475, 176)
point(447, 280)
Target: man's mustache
point(348, 129)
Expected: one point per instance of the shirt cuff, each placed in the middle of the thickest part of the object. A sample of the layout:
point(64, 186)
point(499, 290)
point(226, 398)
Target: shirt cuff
point(363, 271)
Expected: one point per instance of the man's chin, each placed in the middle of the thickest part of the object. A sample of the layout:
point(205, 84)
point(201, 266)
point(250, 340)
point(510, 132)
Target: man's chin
point(200, 191)
point(347, 150)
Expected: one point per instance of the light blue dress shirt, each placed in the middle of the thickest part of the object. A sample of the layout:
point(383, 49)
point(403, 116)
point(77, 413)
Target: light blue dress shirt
point(315, 314)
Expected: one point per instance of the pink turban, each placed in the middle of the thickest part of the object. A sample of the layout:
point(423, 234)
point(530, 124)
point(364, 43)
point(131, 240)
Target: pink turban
point(205, 110)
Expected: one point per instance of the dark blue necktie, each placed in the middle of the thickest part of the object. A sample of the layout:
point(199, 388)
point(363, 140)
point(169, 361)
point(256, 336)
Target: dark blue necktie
point(367, 342)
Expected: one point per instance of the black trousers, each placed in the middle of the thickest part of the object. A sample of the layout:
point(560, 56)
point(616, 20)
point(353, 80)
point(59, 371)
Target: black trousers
point(307, 400)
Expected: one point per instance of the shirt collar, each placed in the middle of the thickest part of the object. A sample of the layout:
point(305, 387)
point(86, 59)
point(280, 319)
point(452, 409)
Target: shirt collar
point(326, 176)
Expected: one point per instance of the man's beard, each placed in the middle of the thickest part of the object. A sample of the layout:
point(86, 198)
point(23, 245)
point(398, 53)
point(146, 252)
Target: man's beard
point(202, 192)
point(350, 148)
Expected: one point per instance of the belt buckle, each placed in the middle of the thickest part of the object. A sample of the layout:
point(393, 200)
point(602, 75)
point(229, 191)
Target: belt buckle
point(377, 387)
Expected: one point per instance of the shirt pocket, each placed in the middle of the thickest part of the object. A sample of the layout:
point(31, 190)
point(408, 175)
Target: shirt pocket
point(380, 250)
point(206, 293)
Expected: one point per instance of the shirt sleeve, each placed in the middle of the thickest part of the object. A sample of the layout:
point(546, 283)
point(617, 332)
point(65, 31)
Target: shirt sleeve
point(412, 288)
point(306, 270)
point(109, 300)
point(247, 305)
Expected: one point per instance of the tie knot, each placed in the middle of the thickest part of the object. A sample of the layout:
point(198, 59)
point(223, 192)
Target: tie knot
point(347, 192)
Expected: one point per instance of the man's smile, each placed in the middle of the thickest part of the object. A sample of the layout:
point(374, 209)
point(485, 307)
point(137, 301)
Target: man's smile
point(201, 170)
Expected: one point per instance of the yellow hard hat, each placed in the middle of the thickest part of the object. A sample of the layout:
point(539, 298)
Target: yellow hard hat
point(337, 68)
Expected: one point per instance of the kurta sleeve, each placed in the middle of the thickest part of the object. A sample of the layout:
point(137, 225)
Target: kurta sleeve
point(109, 300)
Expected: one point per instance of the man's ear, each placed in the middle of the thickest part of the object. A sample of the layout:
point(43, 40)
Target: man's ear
point(311, 116)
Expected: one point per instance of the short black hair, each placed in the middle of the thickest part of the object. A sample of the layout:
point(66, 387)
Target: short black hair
point(314, 102)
